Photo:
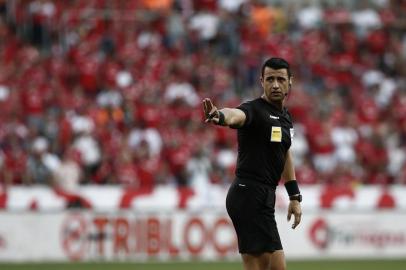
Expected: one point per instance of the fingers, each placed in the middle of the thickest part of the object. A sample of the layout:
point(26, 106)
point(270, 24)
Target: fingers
point(210, 111)
point(295, 210)
point(204, 105)
point(298, 218)
point(207, 106)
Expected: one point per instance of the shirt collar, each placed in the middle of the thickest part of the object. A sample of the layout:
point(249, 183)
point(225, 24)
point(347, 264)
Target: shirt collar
point(274, 108)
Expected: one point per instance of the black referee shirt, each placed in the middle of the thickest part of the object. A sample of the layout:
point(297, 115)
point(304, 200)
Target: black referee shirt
point(263, 142)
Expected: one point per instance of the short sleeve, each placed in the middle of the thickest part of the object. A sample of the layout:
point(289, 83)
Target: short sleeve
point(291, 128)
point(248, 109)
point(289, 117)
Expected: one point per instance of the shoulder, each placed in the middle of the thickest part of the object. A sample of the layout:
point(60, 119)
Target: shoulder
point(287, 114)
point(249, 108)
point(250, 103)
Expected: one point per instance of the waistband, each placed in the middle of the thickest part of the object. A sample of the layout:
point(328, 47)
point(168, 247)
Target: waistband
point(254, 182)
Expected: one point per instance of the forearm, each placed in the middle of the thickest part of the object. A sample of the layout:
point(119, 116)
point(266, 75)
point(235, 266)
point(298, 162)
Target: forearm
point(233, 117)
point(289, 176)
point(293, 190)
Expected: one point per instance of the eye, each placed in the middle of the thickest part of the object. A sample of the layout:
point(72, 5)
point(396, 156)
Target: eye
point(281, 79)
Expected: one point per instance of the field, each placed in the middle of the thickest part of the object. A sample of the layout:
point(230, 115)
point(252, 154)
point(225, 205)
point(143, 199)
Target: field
point(294, 265)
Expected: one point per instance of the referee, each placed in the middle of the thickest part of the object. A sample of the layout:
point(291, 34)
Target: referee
point(265, 133)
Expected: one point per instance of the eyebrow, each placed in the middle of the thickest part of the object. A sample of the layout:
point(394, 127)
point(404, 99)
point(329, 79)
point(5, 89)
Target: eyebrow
point(276, 76)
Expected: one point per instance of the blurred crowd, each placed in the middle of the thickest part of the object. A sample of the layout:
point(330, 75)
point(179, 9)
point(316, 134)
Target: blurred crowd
point(109, 92)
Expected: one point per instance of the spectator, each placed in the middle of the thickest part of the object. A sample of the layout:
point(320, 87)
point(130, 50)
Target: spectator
point(41, 164)
point(68, 176)
point(96, 86)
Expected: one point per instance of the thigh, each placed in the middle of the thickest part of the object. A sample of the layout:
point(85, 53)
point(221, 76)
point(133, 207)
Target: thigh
point(250, 207)
point(278, 260)
point(245, 200)
point(264, 261)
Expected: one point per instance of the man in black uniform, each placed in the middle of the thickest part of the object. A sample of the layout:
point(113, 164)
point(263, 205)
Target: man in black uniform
point(264, 137)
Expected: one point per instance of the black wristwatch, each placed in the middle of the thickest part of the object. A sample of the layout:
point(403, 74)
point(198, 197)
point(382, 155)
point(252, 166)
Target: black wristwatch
point(297, 197)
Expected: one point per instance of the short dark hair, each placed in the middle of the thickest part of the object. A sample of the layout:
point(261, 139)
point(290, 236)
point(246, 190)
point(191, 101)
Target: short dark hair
point(276, 63)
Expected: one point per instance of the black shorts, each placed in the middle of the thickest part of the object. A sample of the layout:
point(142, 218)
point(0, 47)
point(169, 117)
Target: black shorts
point(251, 207)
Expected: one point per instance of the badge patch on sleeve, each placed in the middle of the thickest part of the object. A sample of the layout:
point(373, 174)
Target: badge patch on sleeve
point(292, 133)
point(276, 134)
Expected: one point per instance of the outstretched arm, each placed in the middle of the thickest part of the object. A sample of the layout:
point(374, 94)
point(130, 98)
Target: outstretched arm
point(289, 176)
point(225, 117)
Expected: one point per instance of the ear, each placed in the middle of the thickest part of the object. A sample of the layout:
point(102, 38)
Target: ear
point(261, 79)
point(290, 80)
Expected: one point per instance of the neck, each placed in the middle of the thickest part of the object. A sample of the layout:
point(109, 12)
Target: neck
point(277, 104)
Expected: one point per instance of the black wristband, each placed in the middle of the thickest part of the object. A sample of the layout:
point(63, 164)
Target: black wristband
point(222, 119)
point(292, 187)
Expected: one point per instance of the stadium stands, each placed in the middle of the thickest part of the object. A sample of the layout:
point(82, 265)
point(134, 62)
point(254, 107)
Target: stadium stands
point(109, 92)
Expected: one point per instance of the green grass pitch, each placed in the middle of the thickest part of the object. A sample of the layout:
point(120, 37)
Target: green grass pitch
point(293, 265)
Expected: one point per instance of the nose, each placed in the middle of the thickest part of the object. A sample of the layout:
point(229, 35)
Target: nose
point(275, 84)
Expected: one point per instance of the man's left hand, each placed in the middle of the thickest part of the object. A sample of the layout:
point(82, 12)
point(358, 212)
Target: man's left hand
point(296, 210)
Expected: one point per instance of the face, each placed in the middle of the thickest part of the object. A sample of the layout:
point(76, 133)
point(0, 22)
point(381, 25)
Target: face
point(275, 83)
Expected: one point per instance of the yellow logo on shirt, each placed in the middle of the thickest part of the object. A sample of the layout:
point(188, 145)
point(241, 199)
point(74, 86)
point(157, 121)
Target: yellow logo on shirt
point(276, 134)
